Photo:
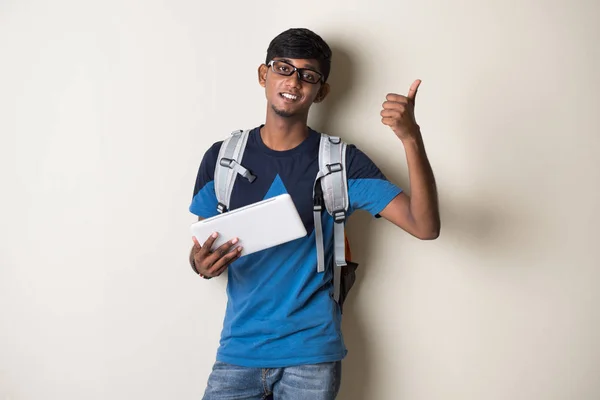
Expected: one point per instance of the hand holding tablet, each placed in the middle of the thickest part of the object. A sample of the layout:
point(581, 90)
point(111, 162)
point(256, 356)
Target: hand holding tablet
point(211, 264)
point(258, 226)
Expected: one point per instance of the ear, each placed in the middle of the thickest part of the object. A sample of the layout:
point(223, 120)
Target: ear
point(323, 92)
point(262, 75)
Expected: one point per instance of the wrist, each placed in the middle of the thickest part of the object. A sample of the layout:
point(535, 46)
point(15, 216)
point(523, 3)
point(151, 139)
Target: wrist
point(193, 265)
point(414, 139)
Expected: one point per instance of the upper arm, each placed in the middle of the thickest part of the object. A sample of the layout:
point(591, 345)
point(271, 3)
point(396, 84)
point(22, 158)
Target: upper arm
point(398, 212)
point(368, 188)
point(204, 200)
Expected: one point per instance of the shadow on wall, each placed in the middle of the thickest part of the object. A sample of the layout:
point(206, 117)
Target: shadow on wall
point(325, 118)
point(474, 222)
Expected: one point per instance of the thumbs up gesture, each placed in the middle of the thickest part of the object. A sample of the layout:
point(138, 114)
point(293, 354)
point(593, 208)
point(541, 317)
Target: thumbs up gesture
point(399, 113)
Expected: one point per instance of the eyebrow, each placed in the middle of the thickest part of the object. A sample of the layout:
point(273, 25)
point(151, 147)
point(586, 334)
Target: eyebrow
point(307, 66)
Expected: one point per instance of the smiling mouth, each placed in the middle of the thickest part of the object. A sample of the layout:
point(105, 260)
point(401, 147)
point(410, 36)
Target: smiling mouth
point(289, 96)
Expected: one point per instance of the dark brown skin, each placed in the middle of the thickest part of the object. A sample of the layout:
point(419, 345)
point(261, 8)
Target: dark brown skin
point(286, 121)
point(418, 214)
point(210, 264)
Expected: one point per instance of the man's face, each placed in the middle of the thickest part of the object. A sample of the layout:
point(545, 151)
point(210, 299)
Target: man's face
point(290, 96)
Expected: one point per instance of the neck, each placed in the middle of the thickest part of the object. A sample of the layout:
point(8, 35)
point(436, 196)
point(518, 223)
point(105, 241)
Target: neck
point(280, 133)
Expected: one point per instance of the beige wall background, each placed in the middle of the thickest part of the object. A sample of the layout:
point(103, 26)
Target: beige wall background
point(107, 107)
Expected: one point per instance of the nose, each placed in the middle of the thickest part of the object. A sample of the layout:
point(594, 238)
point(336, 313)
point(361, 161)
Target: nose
point(294, 80)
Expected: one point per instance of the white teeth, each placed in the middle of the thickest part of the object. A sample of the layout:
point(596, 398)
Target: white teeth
point(289, 96)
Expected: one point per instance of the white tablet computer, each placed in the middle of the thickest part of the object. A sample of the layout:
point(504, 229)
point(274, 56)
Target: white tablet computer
point(258, 226)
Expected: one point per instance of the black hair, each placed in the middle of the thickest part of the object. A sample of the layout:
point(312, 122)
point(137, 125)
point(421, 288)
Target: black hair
point(301, 43)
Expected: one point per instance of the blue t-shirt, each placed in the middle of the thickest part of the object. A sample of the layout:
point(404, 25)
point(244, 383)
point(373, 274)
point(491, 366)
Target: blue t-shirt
point(280, 311)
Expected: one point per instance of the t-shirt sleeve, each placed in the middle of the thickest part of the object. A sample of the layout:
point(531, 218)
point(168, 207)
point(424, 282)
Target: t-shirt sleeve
point(204, 199)
point(368, 188)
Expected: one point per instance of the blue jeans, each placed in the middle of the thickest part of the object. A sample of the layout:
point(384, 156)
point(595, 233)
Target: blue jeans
point(304, 382)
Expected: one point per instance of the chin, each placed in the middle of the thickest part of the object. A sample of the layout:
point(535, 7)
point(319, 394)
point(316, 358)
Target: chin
point(283, 113)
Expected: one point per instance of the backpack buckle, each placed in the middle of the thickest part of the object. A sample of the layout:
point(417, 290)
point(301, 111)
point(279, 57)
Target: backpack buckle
point(318, 202)
point(337, 167)
point(226, 162)
point(335, 139)
point(221, 208)
point(339, 216)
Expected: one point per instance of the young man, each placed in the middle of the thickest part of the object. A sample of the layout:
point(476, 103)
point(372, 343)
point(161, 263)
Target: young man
point(282, 329)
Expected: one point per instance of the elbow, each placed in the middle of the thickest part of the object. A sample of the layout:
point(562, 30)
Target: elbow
point(431, 233)
point(432, 236)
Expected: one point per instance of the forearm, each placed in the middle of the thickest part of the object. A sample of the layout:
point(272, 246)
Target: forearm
point(424, 207)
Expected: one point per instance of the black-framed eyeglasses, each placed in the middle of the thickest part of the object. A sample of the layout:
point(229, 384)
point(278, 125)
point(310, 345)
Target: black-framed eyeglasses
point(304, 74)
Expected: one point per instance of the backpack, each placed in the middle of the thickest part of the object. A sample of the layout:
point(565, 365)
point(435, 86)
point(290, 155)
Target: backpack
point(330, 190)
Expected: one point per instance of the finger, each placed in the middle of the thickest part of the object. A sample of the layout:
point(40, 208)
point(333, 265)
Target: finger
point(412, 92)
point(395, 106)
point(222, 250)
point(209, 243)
point(396, 98)
point(391, 113)
point(219, 272)
point(389, 121)
point(224, 261)
point(238, 250)
point(196, 249)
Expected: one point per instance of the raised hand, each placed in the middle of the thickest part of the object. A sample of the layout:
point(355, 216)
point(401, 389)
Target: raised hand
point(399, 113)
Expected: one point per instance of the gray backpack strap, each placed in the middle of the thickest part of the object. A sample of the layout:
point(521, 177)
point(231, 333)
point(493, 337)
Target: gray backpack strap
point(318, 203)
point(334, 189)
point(228, 167)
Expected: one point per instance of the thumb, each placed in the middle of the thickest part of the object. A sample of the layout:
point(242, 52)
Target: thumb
point(412, 92)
